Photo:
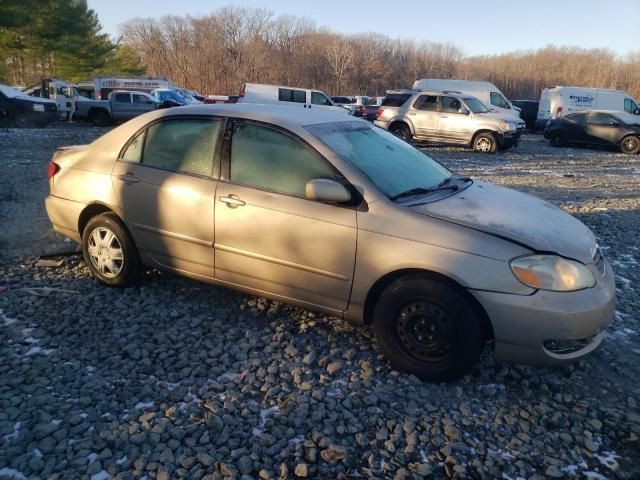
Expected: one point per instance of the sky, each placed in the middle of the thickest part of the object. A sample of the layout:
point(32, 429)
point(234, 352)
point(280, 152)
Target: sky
point(478, 27)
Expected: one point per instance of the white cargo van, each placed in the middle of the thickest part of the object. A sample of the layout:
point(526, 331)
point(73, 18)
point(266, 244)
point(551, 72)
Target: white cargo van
point(559, 101)
point(486, 92)
point(292, 96)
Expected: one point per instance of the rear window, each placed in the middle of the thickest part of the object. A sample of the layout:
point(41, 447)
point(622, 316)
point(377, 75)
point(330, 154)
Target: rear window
point(395, 99)
point(122, 97)
point(291, 95)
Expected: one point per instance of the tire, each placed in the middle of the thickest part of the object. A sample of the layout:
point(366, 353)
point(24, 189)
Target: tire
point(99, 118)
point(22, 120)
point(402, 132)
point(630, 144)
point(109, 251)
point(485, 143)
point(412, 310)
point(558, 139)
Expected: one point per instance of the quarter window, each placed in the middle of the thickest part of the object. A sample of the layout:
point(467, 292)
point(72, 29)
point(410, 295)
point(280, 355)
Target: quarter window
point(291, 95)
point(133, 153)
point(498, 100)
point(182, 145)
point(266, 158)
point(426, 102)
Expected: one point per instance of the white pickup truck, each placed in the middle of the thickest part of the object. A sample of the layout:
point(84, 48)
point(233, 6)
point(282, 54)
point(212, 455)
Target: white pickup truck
point(120, 106)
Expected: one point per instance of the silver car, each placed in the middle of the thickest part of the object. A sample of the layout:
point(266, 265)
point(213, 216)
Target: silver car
point(328, 212)
point(447, 117)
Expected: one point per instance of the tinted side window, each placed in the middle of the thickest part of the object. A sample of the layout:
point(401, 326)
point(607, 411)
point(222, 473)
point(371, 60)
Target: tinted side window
point(291, 95)
point(426, 102)
point(122, 97)
point(184, 145)
point(140, 99)
point(395, 99)
point(318, 98)
point(451, 104)
point(599, 118)
point(266, 158)
point(579, 118)
point(498, 100)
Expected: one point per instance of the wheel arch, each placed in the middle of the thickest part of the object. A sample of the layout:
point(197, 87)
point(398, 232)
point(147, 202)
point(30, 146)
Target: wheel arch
point(383, 282)
point(402, 121)
point(93, 210)
point(483, 130)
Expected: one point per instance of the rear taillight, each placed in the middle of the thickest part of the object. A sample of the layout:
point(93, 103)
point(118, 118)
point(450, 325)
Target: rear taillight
point(242, 90)
point(559, 112)
point(52, 169)
point(379, 112)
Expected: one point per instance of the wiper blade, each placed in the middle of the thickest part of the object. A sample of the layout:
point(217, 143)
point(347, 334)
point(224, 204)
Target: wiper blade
point(443, 185)
point(412, 191)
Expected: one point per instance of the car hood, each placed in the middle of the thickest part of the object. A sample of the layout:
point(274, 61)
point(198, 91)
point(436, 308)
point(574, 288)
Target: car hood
point(505, 117)
point(516, 216)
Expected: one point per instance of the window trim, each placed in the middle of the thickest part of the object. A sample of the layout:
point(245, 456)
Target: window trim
point(217, 153)
point(225, 172)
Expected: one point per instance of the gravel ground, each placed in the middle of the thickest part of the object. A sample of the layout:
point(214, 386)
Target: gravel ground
point(177, 379)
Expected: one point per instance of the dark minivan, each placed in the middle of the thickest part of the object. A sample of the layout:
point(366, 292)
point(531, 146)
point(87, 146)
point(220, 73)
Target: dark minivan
point(596, 127)
point(24, 111)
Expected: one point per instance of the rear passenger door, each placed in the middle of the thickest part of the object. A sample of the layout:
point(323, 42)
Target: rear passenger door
point(424, 116)
point(165, 181)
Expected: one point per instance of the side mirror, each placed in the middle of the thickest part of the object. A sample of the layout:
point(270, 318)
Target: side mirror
point(613, 123)
point(637, 112)
point(463, 111)
point(325, 190)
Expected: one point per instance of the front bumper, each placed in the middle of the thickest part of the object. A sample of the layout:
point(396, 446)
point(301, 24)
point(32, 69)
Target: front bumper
point(509, 138)
point(526, 328)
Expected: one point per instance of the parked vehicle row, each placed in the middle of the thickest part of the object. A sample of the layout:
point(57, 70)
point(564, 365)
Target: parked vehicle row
point(596, 127)
point(447, 117)
point(276, 201)
point(359, 106)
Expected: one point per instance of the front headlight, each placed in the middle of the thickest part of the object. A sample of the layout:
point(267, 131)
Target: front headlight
point(507, 126)
point(38, 107)
point(551, 272)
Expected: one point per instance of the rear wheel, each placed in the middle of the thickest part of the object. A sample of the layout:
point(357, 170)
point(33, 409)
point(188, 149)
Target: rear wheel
point(630, 144)
point(427, 327)
point(558, 139)
point(99, 118)
point(485, 143)
point(401, 131)
point(109, 251)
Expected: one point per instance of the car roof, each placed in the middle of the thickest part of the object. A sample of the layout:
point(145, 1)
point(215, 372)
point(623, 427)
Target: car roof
point(277, 114)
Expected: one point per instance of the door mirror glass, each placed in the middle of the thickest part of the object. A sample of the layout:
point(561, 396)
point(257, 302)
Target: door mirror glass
point(463, 111)
point(326, 190)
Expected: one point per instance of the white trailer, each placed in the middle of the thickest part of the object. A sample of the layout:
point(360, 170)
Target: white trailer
point(100, 87)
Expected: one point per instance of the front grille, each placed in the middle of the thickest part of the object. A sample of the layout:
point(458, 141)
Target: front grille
point(598, 260)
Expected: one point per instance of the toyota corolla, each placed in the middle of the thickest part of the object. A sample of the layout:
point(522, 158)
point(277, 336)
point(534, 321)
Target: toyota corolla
point(331, 213)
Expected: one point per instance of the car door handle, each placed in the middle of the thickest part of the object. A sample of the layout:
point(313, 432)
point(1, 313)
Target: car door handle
point(444, 116)
point(411, 113)
point(232, 201)
point(128, 178)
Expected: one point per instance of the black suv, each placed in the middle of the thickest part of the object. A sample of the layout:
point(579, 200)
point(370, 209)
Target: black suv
point(528, 112)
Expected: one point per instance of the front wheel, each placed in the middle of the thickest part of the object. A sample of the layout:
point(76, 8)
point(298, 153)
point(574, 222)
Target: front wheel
point(109, 251)
point(100, 118)
point(630, 144)
point(23, 120)
point(485, 143)
point(427, 327)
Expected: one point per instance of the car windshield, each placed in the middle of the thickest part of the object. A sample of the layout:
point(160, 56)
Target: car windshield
point(475, 105)
point(391, 164)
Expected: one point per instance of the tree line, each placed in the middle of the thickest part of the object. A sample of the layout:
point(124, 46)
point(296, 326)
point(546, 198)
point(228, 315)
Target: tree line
point(58, 38)
point(216, 53)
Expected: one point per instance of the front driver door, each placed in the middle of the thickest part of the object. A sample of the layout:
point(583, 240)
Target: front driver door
point(453, 125)
point(269, 237)
point(165, 184)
